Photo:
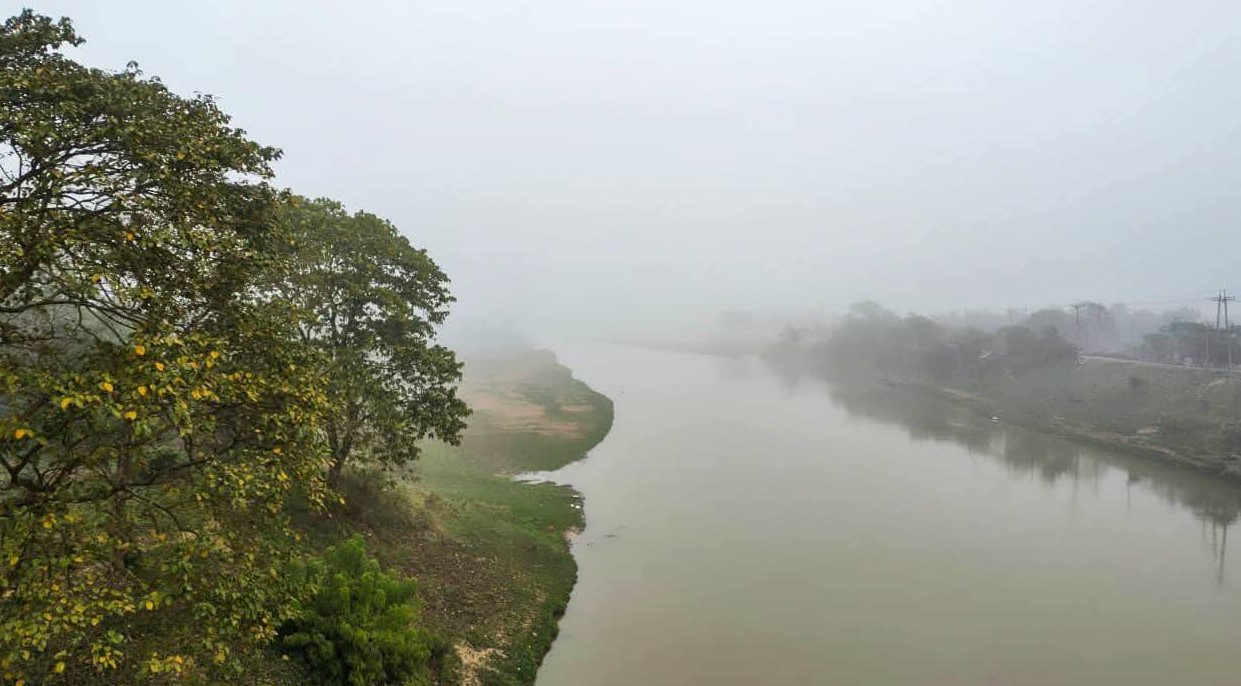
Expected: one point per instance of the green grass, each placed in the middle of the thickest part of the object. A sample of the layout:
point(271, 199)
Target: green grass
point(516, 534)
point(491, 554)
point(1184, 415)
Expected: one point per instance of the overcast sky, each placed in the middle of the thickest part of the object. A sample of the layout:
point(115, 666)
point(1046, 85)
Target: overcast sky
point(574, 161)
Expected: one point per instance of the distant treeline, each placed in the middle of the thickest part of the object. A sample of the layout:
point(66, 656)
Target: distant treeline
point(871, 339)
point(1035, 377)
point(1093, 327)
point(1186, 342)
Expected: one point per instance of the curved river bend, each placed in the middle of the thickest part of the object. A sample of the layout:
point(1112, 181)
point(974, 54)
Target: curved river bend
point(748, 529)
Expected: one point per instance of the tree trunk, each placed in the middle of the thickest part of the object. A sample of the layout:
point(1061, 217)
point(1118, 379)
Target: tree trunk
point(336, 466)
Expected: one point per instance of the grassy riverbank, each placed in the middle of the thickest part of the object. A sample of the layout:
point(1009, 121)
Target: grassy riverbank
point(491, 554)
point(1035, 378)
point(1190, 417)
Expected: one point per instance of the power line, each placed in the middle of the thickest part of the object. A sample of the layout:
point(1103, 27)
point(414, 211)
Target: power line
point(1160, 303)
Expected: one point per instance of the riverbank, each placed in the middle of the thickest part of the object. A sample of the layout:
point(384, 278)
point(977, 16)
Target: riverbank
point(491, 554)
point(1188, 417)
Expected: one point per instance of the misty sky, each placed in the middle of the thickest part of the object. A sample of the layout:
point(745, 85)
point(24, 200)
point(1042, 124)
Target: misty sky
point(570, 161)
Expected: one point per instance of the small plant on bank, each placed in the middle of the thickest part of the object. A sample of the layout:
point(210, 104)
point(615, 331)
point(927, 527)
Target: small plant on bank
point(359, 628)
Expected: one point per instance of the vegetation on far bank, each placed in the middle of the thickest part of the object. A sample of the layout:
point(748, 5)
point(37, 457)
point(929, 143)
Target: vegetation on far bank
point(1187, 415)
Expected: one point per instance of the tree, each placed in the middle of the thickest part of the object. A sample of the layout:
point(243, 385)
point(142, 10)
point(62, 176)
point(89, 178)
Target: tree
point(1190, 340)
point(1024, 351)
point(1158, 347)
point(1100, 327)
point(359, 628)
point(1059, 321)
point(371, 305)
point(156, 407)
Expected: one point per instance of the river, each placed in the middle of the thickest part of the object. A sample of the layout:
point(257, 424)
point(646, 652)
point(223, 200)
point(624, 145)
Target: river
point(749, 528)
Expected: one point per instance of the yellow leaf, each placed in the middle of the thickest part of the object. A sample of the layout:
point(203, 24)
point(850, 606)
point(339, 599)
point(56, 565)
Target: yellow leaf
point(129, 235)
point(276, 450)
point(60, 667)
point(65, 402)
point(282, 476)
point(106, 386)
point(150, 605)
point(140, 350)
point(142, 390)
point(131, 415)
point(215, 354)
point(159, 366)
point(13, 560)
point(22, 433)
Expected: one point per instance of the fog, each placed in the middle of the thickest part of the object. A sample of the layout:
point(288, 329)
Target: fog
point(588, 167)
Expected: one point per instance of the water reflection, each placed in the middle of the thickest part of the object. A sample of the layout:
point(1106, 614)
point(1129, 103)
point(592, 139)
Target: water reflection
point(802, 536)
point(1047, 458)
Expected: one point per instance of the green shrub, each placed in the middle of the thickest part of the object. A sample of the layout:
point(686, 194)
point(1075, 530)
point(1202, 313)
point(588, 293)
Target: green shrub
point(358, 630)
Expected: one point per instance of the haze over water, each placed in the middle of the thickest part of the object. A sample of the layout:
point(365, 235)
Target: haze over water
point(599, 167)
point(745, 529)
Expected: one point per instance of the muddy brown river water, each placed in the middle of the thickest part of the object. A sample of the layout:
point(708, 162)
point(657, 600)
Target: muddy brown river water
point(745, 528)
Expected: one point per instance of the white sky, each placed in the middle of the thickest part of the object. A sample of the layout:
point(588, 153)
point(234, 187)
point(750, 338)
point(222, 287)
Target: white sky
point(575, 163)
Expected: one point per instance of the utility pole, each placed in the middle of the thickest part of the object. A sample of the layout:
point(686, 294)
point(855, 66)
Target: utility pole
point(1077, 324)
point(1221, 300)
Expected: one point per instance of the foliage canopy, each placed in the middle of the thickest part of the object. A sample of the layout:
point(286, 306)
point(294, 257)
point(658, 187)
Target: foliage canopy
point(166, 386)
point(371, 303)
point(358, 628)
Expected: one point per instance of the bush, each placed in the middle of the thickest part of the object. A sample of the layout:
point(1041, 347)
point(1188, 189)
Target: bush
point(358, 630)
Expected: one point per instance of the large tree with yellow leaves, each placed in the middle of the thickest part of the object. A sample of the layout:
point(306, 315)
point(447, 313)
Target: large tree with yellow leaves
point(156, 410)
